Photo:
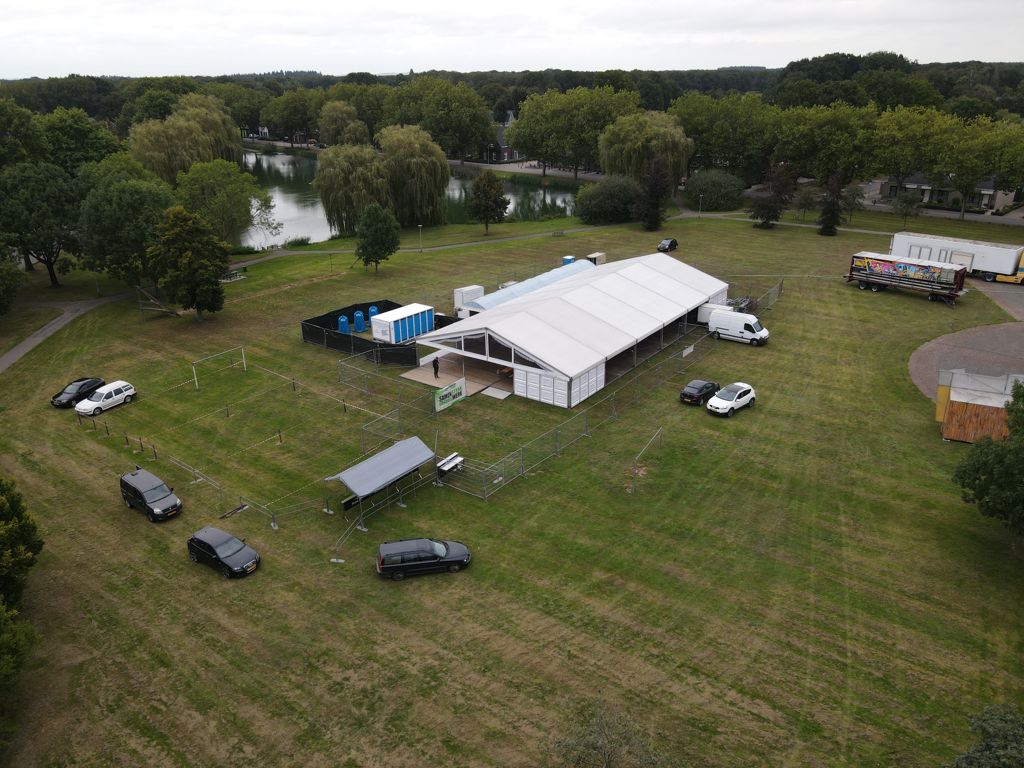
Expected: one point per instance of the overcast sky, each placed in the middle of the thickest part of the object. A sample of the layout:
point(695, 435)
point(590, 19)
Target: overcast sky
point(45, 38)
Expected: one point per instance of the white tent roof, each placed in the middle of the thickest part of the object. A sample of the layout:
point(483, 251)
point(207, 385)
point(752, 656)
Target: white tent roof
point(583, 320)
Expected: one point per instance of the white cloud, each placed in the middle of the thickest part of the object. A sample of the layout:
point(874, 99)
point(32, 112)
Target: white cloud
point(208, 37)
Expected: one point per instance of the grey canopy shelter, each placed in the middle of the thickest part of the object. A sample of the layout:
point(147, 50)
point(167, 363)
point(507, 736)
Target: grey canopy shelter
point(383, 470)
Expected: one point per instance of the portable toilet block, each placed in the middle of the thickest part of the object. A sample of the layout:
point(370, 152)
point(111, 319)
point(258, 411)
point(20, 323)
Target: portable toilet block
point(402, 324)
point(343, 324)
point(360, 323)
point(373, 311)
point(568, 260)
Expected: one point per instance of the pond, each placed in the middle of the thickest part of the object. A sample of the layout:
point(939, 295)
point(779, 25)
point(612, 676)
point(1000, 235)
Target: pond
point(289, 180)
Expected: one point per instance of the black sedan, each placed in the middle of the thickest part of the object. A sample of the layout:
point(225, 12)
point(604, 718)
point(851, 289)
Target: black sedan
point(698, 392)
point(79, 389)
point(668, 244)
point(219, 549)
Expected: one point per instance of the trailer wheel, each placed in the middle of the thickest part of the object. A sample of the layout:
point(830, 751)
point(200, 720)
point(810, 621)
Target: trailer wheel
point(931, 297)
point(862, 285)
point(988, 276)
point(717, 335)
point(875, 288)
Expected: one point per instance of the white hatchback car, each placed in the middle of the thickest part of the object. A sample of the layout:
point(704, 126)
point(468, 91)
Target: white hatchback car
point(731, 398)
point(107, 396)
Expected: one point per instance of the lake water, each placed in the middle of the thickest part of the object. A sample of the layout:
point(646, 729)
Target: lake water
point(289, 177)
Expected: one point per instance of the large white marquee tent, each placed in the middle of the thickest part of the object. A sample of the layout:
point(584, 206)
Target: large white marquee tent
point(558, 339)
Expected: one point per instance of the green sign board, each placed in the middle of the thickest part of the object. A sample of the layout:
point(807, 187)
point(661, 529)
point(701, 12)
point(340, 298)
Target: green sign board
point(449, 395)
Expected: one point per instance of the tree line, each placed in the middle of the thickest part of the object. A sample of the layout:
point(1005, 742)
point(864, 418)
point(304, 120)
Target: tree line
point(73, 194)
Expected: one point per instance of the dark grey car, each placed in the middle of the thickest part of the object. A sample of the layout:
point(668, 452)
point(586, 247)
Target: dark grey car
point(77, 390)
point(219, 549)
point(398, 559)
point(145, 491)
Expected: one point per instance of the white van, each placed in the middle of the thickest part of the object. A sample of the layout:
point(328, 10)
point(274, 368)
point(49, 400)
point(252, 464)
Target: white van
point(737, 326)
point(106, 397)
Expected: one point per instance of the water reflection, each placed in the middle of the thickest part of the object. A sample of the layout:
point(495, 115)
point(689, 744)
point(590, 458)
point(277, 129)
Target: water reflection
point(289, 180)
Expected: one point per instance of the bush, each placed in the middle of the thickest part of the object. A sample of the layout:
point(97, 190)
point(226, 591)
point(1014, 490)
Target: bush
point(295, 241)
point(609, 201)
point(241, 250)
point(721, 191)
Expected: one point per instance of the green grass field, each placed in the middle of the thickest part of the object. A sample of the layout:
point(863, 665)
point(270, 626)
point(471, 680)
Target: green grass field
point(799, 585)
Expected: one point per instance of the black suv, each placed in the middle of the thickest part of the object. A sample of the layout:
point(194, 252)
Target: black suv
point(147, 492)
point(217, 548)
point(398, 559)
point(698, 392)
point(77, 390)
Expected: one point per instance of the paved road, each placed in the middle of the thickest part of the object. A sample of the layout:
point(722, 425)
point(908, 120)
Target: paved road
point(991, 350)
point(70, 310)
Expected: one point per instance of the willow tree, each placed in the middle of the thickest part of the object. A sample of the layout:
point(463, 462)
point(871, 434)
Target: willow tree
point(340, 124)
point(630, 144)
point(200, 129)
point(417, 172)
point(349, 178)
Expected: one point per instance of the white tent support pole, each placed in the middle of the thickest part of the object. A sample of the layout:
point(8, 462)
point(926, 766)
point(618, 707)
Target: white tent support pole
point(244, 366)
point(195, 376)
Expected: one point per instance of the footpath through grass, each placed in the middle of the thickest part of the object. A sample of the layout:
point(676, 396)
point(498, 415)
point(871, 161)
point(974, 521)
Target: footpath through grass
point(797, 585)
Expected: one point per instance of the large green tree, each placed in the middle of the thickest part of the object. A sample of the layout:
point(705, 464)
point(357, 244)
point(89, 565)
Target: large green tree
point(831, 143)
point(20, 545)
point(628, 145)
point(348, 178)
point(1000, 732)
point(122, 203)
point(417, 173)
point(340, 124)
point(154, 104)
point(904, 140)
point(38, 213)
point(991, 475)
point(290, 113)
point(72, 138)
point(736, 133)
point(965, 154)
point(228, 198)
point(487, 201)
point(563, 128)
point(368, 99)
point(199, 129)
point(458, 120)
point(378, 233)
point(190, 260)
point(21, 139)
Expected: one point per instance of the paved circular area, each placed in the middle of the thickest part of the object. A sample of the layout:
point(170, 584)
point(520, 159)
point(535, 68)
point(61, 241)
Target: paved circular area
point(991, 350)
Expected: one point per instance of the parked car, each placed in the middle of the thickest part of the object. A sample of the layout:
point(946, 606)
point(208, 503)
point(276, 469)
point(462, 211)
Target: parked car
point(668, 244)
point(730, 399)
point(105, 397)
point(698, 392)
point(77, 390)
point(398, 559)
point(219, 549)
point(145, 491)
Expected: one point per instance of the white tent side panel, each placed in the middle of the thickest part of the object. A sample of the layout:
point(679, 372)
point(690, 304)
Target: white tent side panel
point(586, 384)
point(720, 298)
point(542, 387)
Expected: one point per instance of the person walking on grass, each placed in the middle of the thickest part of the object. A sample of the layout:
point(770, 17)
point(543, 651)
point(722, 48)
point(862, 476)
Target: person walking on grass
point(437, 367)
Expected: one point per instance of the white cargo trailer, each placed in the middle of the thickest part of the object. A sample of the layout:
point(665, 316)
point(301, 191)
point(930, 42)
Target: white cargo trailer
point(990, 261)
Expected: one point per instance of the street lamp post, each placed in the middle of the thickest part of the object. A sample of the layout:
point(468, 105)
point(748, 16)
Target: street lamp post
point(700, 205)
point(421, 237)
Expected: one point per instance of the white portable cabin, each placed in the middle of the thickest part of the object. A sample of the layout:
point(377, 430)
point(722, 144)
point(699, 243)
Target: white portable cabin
point(987, 259)
point(402, 324)
point(466, 294)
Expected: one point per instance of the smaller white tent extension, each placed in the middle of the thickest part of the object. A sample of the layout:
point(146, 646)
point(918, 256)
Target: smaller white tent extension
point(558, 338)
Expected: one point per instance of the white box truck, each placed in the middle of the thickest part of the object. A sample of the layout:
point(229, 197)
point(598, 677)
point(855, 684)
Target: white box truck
point(737, 326)
point(990, 261)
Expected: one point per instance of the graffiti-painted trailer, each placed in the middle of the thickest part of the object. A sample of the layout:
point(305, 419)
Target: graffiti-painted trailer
point(942, 281)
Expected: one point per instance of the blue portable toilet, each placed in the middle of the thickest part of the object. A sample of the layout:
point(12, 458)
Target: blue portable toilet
point(360, 323)
point(568, 260)
point(373, 312)
point(343, 324)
